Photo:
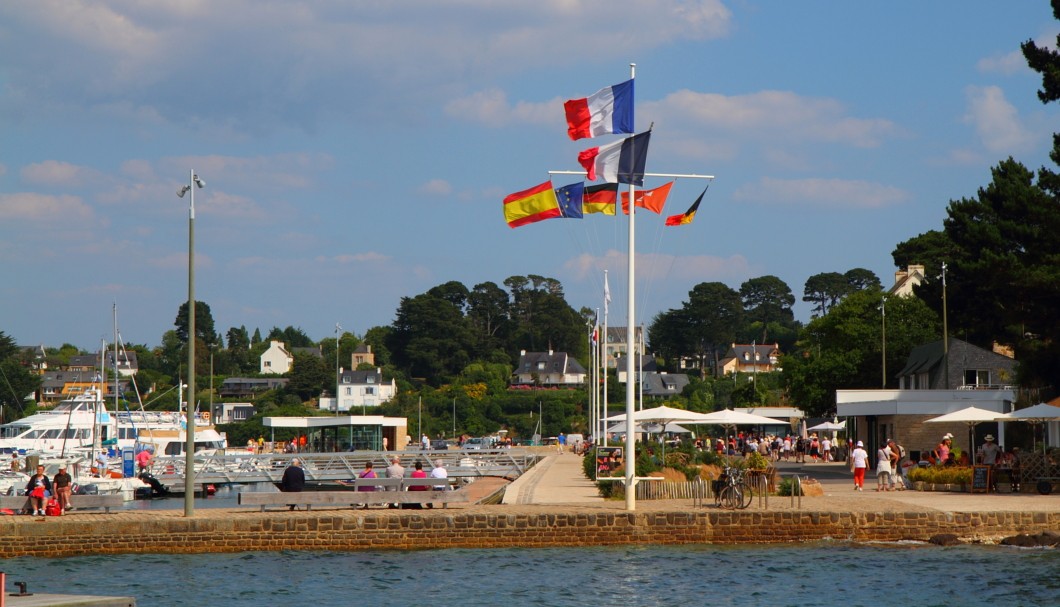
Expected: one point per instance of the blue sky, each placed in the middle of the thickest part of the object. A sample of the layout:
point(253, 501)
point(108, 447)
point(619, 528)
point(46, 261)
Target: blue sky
point(358, 152)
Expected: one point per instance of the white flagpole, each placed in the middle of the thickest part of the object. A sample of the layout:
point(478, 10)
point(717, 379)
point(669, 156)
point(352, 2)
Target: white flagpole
point(605, 358)
point(631, 454)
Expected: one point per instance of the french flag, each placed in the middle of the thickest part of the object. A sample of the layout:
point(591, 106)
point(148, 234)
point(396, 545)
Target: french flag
point(609, 110)
point(619, 162)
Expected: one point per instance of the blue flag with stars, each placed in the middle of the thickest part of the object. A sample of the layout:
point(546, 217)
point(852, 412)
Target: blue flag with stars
point(570, 200)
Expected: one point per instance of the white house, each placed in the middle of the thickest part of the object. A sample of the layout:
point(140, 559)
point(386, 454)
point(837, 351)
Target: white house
point(548, 369)
point(359, 389)
point(276, 360)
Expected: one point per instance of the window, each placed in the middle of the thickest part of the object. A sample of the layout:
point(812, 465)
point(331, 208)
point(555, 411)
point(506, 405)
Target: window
point(976, 377)
point(349, 391)
point(541, 366)
point(371, 379)
point(369, 391)
point(268, 364)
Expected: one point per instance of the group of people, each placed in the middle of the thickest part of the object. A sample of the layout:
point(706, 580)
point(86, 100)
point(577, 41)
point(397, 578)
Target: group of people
point(989, 454)
point(890, 460)
point(50, 496)
point(293, 480)
point(776, 447)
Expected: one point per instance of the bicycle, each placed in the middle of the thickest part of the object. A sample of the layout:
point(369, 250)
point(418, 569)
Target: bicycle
point(731, 490)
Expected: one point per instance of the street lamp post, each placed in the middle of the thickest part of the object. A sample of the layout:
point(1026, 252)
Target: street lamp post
point(338, 375)
point(189, 455)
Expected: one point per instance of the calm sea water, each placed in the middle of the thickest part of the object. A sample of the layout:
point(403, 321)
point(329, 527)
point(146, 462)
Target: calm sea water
point(806, 574)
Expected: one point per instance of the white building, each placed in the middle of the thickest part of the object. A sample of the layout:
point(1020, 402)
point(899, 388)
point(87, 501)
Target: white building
point(276, 360)
point(360, 389)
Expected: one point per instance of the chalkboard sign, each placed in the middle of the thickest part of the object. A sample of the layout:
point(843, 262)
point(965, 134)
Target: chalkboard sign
point(980, 479)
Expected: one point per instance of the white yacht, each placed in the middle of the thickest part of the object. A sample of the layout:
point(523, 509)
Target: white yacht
point(78, 424)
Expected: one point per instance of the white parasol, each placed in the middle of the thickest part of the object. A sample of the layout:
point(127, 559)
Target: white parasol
point(972, 416)
point(1035, 415)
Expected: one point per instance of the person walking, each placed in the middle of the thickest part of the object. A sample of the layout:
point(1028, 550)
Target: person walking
point(859, 461)
point(897, 455)
point(293, 480)
point(883, 468)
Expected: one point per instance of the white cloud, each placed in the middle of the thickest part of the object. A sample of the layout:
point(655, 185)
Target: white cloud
point(491, 108)
point(228, 205)
point(833, 193)
point(769, 115)
point(366, 257)
point(996, 121)
point(186, 63)
point(59, 174)
point(41, 207)
point(436, 187)
point(1013, 62)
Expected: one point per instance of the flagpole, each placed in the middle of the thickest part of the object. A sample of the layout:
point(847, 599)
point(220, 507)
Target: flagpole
point(665, 175)
point(631, 454)
point(605, 359)
point(596, 379)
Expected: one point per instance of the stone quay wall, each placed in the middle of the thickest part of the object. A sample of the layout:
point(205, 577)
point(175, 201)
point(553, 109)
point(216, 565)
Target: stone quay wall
point(349, 530)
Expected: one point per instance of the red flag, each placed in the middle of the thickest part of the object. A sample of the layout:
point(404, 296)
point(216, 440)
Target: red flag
point(653, 200)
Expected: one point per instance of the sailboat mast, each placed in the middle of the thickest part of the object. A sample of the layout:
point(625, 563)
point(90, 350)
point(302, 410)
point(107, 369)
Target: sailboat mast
point(115, 314)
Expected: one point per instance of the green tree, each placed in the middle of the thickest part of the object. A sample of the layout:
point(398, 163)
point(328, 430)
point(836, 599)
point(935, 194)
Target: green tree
point(204, 328)
point(843, 348)
point(291, 337)
point(309, 376)
point(430, 338)
point(16, 382)
point(767, 302)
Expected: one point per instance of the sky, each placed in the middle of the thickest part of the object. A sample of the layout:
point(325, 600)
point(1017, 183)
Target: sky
point(355, 153)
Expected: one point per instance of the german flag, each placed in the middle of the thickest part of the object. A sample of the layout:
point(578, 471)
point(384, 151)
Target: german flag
point(687, 216)
point(600, 199)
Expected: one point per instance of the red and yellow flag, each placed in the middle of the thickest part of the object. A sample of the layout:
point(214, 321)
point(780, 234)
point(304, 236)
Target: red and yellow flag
point(535, 204)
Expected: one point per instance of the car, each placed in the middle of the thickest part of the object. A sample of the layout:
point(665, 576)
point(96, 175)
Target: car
point(476, 443)
point(439, 444)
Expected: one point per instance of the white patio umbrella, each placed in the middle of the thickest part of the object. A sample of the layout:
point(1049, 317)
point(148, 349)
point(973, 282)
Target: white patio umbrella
point(662, 415)
point(1035, 415)
point(727, 418)
point(829, 427)
point(620, 428)
point(972, 416)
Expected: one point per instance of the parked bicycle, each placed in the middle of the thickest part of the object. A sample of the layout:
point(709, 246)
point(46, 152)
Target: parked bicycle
point(731, 490)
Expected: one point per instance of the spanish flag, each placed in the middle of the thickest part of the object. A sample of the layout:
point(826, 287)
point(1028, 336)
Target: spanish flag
point(535, 204)
point(687, 216)
point(600, 198)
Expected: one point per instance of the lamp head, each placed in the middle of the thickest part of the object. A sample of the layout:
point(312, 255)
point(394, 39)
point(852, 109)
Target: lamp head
point(182, 191)
point(199, 182)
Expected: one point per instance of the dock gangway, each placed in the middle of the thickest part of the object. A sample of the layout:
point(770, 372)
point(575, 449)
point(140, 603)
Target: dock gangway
point(246, 468)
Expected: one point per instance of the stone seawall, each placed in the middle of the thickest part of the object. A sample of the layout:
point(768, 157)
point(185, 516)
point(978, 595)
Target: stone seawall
point(358, 530)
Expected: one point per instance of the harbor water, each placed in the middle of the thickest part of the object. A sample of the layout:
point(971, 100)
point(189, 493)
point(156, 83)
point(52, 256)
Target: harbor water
point(828, 573)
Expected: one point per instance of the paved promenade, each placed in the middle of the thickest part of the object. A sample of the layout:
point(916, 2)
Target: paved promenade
point(558, 480)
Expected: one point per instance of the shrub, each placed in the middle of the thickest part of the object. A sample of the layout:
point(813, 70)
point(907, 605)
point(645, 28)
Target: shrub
point(941, 475)
point(787, 486)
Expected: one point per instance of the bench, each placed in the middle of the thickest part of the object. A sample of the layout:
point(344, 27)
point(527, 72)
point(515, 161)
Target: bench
point(79, 502)
point(399, 494)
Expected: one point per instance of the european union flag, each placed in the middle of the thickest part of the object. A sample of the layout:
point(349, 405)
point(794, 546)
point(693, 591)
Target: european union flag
point(570, 200)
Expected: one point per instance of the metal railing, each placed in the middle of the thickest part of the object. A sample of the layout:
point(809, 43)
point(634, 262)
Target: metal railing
point(269, 467)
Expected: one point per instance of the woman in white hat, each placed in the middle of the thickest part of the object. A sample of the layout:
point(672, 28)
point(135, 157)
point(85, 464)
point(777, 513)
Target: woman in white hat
point(859, 459)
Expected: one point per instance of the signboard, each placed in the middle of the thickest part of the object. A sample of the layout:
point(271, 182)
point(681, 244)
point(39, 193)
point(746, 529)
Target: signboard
point(980, 479)
point(608, 459)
